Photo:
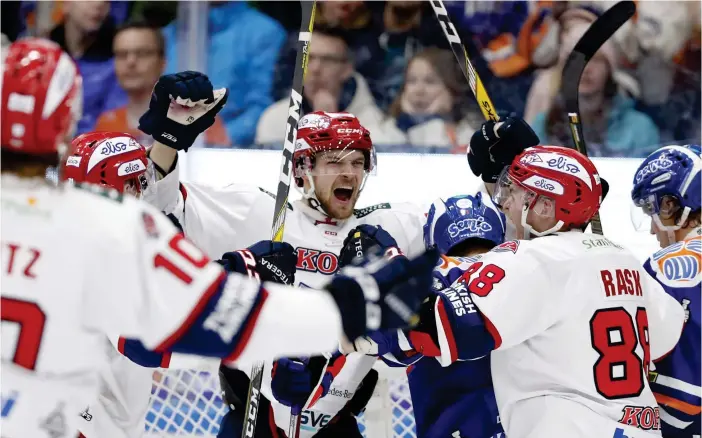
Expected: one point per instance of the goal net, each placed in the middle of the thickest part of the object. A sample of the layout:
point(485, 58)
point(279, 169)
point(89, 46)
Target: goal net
point(188, 403)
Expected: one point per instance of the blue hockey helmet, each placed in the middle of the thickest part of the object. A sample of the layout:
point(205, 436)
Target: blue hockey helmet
point(460, 218)
point(670, 173)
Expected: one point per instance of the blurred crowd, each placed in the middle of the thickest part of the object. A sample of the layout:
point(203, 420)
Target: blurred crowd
point(389, 64)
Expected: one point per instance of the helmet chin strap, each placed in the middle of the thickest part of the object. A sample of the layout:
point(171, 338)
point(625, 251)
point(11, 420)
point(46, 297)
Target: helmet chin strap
point(529, 230)
point(671, 229)
point(310, 195)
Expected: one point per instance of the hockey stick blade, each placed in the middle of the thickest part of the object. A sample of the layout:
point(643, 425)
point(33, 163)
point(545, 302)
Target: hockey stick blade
point(281, 198)
point(459, 51)
point(594, 38)
point(596, 35)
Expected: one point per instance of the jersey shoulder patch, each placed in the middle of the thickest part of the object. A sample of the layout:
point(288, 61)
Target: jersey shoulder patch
point(273, 196)
point(368, 210)
point(508, 246)
point(105, 192)
point(680, 264)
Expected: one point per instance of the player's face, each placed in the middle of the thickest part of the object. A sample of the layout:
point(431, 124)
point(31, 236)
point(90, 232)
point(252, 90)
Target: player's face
point(338, 176)
point(540, 215)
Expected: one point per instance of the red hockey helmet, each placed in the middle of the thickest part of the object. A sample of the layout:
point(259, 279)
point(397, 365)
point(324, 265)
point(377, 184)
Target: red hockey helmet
point(321, 132)
point(559, 182)
point(112, 159)
point(41, 97)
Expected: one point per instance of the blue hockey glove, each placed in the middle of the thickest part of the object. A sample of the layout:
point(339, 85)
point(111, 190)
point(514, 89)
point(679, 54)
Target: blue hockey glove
point(299, 383)
point(183, 105)
point(362, 239)
point(265, 261)
point(375, 293)
point(491, 151)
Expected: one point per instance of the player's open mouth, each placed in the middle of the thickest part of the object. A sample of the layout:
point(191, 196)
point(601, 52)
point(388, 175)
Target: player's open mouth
point(343, 193)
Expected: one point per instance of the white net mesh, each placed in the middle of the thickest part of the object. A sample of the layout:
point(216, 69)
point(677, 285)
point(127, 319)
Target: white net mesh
point(188, 403)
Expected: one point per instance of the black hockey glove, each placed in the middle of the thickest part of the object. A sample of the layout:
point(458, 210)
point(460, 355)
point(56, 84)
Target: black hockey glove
point(265, 261)
point(362, 239)
point(375, 293)
point(183, 105)
point(491, 151)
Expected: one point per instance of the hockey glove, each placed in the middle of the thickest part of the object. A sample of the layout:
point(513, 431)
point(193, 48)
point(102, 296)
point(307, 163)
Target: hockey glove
point(364, 237)
point(182, 106)
point(299, 383)
point(375, 293)
point(492, 149)
point(264, 261)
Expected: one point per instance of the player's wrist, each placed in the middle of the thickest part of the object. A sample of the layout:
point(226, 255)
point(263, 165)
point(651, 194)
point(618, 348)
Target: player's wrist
point(164, 159)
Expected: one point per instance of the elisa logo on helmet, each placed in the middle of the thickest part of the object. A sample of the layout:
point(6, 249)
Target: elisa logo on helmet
point(110, 148)
point(73, 161)
point(130, 167)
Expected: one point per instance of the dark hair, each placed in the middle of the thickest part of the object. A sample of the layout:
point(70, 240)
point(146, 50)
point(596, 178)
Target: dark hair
point(444, 64)
point(15, 161)
point(467, 246)
point(337, 33)
point(139, 24)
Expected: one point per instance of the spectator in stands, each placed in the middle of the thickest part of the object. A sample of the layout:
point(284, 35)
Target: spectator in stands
point(86, 34)
point(429, 109)
point(664, 44)
point(382, 36)
point(612, 127)
point(139, 62)
point(243, 47)
point(331, 84)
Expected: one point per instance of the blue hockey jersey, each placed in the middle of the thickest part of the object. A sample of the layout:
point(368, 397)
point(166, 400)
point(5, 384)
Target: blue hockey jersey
point(676, 379)
point(453, 401)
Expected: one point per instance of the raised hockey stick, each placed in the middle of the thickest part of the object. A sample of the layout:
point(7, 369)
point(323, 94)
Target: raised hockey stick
point(281, 198)
point(459, 51)
point(596, 35)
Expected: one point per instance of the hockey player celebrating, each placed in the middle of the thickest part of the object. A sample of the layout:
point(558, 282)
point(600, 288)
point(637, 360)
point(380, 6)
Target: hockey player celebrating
point(116, 160)
point(79, 264)
point(458, 400)
point(333, 157)
point(571, 319)
point(667, 188)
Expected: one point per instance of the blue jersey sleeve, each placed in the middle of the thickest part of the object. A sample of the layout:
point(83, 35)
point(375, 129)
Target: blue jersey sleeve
point(675, 381)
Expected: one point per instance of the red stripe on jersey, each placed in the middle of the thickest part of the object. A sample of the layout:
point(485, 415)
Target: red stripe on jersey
point(183, 191)
point(165, 360)
point(271, 422)
point(446, 325)
point(120, 345)
point(493, 331)
point(194, 314)
point(248, 330)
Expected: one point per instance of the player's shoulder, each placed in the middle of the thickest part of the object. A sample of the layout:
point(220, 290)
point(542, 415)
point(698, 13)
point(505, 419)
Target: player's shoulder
point(387, 210)
point(106, 211)
point(678, 265)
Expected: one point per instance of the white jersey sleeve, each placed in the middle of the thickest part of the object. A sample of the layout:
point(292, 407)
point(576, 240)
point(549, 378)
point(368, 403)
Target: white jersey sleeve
point(666, 318)
point(404, 222)
point(218, 220)
point(506, 287)
point(158, 287)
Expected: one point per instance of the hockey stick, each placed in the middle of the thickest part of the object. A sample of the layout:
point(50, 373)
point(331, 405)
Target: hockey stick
point(459, 51)
point(281, 199)
point(596, 35)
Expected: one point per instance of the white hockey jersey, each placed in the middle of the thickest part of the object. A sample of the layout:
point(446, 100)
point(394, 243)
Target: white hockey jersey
point(576, 322)
point(237, 216)
point(77, 266)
